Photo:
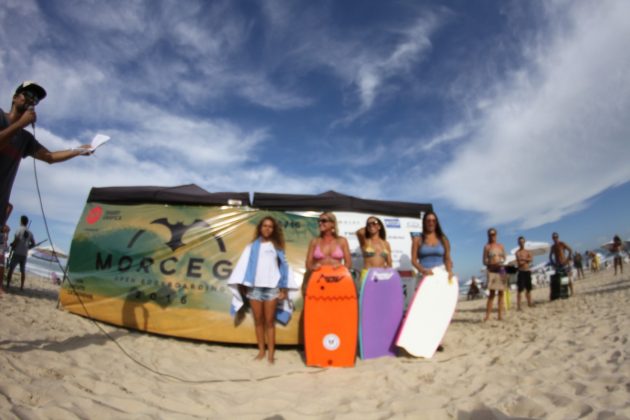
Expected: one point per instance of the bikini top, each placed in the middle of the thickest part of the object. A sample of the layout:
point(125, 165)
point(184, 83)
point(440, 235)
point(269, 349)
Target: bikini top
point(368, 251)
point(336, 254)
point(492, 253)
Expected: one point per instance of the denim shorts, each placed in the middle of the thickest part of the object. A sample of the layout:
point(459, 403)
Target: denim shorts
point(262, 293)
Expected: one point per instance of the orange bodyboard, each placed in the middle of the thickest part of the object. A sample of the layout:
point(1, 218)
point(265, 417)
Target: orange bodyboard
point(331, 318)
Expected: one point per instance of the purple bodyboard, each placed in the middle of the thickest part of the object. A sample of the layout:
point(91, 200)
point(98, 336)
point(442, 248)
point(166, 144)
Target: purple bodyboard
point(380, 312)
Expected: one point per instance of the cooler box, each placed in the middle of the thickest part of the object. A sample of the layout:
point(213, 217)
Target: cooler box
point(559, 287)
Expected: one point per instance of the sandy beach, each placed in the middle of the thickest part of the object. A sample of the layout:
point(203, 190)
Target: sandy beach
point(558, 360)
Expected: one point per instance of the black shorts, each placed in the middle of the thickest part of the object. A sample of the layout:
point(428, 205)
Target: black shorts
point(524, 281)
point(17, 259)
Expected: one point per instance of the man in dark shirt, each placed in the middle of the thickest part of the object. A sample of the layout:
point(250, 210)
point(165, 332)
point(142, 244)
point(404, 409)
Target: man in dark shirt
point(16, 143)
point(22, 242)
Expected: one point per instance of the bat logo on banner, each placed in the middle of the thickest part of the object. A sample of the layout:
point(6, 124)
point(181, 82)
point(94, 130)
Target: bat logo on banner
point(178, 230)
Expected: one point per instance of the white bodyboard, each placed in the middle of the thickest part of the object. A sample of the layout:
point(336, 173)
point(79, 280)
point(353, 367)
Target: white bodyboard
point(429, 314)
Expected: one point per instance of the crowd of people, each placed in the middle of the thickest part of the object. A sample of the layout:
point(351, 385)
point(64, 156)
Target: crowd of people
point(563, 260)
point(265, 272)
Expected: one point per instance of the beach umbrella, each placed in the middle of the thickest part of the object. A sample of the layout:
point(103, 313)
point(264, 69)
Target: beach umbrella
point(608, 245)
point(535, 248)
point(50, 251)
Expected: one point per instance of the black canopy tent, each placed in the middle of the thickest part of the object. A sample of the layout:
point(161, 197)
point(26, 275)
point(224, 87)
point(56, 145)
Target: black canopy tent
point(334, 201)
point(182, 194)
point(193, 194)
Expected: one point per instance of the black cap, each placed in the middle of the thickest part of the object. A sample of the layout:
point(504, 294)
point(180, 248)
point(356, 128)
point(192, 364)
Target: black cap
point(33, 87)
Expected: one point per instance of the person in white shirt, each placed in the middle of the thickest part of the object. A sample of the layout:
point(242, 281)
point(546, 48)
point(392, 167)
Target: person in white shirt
point(263, 271)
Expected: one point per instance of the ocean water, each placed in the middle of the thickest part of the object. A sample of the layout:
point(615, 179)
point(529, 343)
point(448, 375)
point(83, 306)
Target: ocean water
point(44, 268)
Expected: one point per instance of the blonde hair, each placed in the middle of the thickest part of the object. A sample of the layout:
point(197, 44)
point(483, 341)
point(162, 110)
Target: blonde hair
point(332, 217)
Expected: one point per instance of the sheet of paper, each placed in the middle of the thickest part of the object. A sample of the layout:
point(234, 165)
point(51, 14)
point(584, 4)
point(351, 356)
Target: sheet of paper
point(99, 140)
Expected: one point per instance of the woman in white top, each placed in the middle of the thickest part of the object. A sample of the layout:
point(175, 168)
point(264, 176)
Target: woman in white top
point(263, 271)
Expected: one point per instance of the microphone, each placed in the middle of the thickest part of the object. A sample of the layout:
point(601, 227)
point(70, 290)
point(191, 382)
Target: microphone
point(32, 108)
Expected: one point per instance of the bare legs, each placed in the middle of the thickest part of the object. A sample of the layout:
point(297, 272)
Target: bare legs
point(618, 262)
point(528, 296)
point(499, 304)
point(265, 323)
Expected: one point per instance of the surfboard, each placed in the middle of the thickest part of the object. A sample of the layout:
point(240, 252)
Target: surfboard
point(429, 314)
point(380, 312)
point(330, 318)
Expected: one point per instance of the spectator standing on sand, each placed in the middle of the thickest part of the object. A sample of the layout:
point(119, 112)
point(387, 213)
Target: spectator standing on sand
point(494, 258)
point(22, 242)
point(524, 278)
point(560, 256)
point(617, 251)
point(577, 263)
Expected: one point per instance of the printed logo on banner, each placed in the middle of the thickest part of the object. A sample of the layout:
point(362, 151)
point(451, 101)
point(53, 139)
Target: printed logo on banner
point(170, 264)
point(414, 224)
point(178, 230)
point(396, 237)
point(94, 215)
point(112, 215)
point(392, 223)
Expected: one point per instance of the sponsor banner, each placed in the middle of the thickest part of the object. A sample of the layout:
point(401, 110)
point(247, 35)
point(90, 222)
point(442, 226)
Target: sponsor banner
point(164, 268)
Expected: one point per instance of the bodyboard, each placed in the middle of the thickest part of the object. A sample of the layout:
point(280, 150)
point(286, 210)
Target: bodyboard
point(380, 314)
point(429, 314)
point(330, 318)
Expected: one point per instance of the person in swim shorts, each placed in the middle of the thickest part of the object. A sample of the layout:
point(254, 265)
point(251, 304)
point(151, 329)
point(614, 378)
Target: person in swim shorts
point(560, 256)
point(524, 277)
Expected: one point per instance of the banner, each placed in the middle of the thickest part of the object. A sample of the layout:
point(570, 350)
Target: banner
point(164, 268)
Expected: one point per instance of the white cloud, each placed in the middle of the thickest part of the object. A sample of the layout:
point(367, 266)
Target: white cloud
point(558, 133)
point(372, 68)
point(367, 62)
point(456, 132)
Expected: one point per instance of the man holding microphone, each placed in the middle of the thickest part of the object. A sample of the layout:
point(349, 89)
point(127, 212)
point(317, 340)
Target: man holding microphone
point(16, 143)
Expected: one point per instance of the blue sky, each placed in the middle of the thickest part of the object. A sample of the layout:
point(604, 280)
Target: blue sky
point(501, 113)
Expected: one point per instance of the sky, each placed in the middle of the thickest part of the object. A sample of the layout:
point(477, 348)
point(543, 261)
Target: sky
point(507, 114)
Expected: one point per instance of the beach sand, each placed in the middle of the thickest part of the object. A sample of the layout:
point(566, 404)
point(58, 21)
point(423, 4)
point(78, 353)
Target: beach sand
point(559, 360)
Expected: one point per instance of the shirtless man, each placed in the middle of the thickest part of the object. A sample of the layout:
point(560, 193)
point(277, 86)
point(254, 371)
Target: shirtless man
point(560, 256)
point(524, 279)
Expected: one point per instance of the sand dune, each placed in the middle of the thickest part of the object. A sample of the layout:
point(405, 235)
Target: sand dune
point(558, 360)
